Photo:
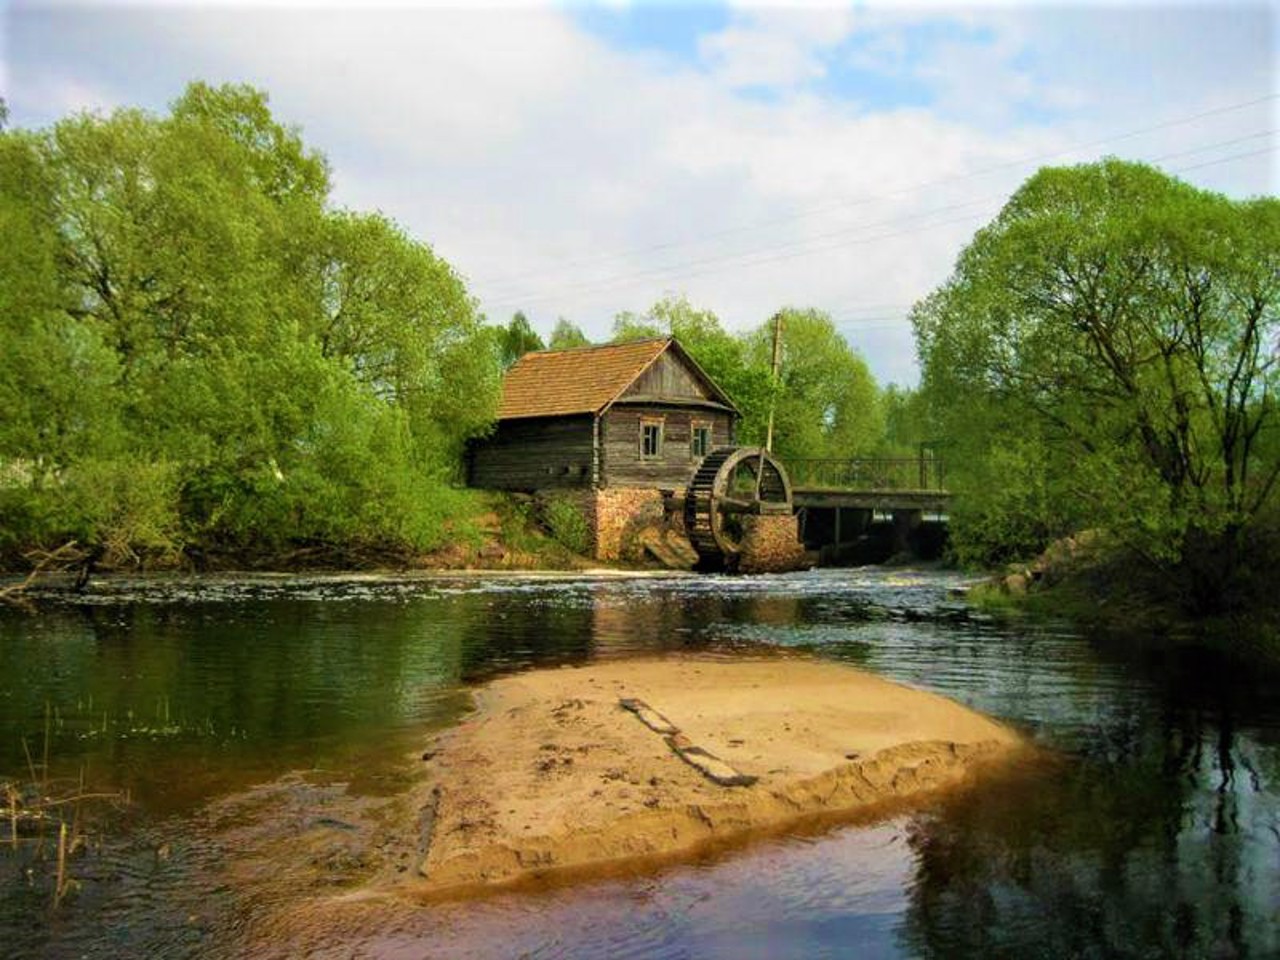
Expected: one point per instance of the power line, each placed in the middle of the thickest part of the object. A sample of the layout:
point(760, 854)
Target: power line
point(1234, 156)
point(862, 201)
point(881, 322)
point(805, 246)
point(1215, 146)
point(683, 269)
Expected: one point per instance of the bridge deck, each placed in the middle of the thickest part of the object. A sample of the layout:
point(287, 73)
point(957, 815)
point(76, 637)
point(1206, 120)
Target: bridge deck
point(870, 483)
point(932, 501)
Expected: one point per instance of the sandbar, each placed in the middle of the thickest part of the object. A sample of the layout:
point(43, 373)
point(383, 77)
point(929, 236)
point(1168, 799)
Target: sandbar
point(580, 769)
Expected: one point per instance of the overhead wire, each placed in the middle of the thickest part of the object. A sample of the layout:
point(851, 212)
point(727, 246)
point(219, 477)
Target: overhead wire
point(862, 201)
point(897, 320)
point(684, 269)
point(773, 254)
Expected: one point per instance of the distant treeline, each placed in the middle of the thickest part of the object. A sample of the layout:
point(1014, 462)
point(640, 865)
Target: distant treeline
point(204, 356)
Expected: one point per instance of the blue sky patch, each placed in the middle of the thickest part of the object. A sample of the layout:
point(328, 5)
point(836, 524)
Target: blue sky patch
point(670, 28)
point(873, 89)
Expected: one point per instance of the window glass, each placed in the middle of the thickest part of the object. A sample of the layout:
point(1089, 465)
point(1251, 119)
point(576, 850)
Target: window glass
point(650, 439)
point(700, 441)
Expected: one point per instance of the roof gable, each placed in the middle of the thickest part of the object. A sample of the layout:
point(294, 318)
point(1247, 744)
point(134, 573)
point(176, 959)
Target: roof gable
point(669, 376)
point(553, 383)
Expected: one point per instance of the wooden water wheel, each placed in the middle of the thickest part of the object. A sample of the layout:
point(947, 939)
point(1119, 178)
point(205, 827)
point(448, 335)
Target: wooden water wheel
point(731, 484)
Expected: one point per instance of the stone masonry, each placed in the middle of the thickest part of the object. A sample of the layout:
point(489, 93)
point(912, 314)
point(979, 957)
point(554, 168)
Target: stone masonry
point(772, 545)
point(616, 516)
point(620, 514)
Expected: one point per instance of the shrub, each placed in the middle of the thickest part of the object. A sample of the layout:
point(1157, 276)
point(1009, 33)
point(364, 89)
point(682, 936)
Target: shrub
point(567, 524)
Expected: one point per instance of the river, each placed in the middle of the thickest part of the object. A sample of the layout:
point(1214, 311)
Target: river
point(1155, 832)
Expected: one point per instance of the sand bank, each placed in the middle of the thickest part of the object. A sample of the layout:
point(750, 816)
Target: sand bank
point(553, 774)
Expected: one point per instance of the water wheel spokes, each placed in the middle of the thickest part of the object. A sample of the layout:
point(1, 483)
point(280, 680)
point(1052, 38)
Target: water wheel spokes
point(731, 485)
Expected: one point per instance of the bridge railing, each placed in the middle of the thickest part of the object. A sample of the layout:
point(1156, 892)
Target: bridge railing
point(867, 473)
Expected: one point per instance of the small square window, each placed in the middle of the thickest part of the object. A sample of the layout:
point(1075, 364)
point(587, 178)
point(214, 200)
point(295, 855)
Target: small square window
point(650, 440)
point(700, 441)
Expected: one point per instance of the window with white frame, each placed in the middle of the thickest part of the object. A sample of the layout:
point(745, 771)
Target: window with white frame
point(650, 439)
point(699, 440)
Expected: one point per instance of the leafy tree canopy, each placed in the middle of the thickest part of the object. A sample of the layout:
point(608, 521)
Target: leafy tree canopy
point(203, 351)
point(827, 400)
point(516, 339)
point(628, 327)
point(566, 336)
point(1110, 339)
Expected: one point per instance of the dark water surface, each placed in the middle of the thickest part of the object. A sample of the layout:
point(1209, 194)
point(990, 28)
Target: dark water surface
point(1158, 834)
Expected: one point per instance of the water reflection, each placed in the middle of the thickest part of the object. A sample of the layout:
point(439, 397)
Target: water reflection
point(144, 682)
point(1165, 849)
point(1157, 833)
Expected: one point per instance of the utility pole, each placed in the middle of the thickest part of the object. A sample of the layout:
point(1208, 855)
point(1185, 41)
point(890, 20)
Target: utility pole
point(777, 366)
point(773, 400)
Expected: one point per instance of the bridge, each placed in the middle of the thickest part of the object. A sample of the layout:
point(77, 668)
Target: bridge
point(877, 504)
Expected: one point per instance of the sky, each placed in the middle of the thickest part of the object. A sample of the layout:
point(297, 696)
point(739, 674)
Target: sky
point(579, 160)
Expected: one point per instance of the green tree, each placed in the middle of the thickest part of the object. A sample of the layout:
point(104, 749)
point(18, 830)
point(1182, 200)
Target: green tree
point(516, 339)
point(566, 336)
point(204, 352)
point(57, 376)
point(627, 327)
point(402, 322)
point(827, 402)
point(907, 423)
point(55, 373)
point(1129, 322)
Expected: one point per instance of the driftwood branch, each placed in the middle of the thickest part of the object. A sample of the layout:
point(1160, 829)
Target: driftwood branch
point(66, 557)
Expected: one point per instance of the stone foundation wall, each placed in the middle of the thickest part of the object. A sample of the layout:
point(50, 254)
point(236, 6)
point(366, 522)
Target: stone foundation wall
point(627, 522)
point(620, 514)
point(622, 520)
point(772, 545)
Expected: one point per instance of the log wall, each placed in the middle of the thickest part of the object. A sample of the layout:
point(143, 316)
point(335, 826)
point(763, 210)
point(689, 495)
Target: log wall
point(621, 463)
point(537, 453)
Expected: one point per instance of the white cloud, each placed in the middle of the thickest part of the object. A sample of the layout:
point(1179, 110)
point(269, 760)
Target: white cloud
point(562, 175)
point(748, 58)
point(775, 47)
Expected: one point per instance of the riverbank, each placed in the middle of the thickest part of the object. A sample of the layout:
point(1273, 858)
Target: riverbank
point(1104, 587)
point(504, 533)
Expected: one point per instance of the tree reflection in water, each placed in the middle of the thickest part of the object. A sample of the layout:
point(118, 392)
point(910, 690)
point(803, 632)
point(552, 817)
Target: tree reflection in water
point(1153, 844)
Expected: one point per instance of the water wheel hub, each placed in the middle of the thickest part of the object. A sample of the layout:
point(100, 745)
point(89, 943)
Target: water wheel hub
point(731, 485)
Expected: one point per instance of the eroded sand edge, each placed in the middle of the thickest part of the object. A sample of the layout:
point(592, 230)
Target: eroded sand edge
point(553, 775)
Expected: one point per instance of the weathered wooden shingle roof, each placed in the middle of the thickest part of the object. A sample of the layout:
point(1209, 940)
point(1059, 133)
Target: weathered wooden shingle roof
point(557, 383)
point(554, 383)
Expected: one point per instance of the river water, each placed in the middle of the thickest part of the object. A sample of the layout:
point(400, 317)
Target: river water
point(1155, 832)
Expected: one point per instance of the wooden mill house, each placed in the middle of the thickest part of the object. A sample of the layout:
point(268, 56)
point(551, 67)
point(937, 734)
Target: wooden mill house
point(619, 429)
